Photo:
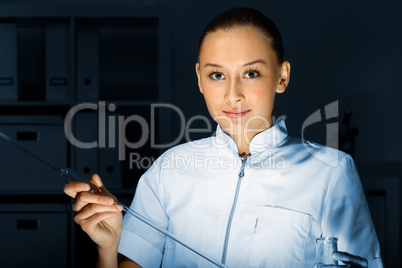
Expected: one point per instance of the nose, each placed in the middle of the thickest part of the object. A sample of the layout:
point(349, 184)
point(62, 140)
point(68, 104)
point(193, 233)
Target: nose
point(234, 92)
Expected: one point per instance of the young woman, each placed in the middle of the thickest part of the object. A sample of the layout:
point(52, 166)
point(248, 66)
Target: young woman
point(251, 196)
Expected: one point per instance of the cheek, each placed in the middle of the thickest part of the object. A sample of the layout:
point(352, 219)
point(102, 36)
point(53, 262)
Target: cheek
point(262, 91)
point(263, 99)
point(212, 100)
point(213, 105)
point(212, 94)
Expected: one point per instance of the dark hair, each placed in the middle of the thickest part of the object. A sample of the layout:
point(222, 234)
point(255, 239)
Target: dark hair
point(245, 16)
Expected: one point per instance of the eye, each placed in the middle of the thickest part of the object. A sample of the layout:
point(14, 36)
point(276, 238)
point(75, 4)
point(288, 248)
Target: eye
point(252, 74)
point(217, 76)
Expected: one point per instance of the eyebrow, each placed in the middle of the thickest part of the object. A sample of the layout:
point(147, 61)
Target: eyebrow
point(246, 64)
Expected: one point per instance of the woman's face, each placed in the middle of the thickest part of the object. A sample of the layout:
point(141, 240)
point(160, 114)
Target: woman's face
point(239, 75)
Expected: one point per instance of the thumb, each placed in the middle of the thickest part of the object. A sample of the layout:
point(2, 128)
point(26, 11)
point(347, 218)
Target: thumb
point(96, 180)
point(349, 258)
point(99, 187)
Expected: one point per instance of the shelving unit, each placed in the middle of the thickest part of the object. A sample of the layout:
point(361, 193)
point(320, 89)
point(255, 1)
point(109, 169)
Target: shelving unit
point(52, 60)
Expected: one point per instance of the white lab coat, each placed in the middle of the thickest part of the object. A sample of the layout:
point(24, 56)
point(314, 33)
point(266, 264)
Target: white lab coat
point(292, 192)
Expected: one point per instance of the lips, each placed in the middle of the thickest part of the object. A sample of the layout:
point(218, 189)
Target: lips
point(236, 113)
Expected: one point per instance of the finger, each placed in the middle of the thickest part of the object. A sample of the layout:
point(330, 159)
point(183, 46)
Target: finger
point(96, 180)
point(93, 209)
point(89, 225)
point(73, 188)
point(349, 258)
point(85, 198)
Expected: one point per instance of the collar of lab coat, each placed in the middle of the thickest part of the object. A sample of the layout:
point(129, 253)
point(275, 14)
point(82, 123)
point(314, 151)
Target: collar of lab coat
point(269, 138)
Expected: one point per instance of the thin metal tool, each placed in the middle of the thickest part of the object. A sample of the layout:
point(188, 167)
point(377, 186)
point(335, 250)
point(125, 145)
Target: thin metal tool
point(70, 175)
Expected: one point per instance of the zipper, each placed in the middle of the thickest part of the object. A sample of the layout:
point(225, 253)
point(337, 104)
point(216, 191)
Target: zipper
point(241, 175)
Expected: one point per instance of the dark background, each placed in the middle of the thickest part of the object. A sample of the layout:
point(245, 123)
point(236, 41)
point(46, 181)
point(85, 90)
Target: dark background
point(346, 51)
point(339, 50)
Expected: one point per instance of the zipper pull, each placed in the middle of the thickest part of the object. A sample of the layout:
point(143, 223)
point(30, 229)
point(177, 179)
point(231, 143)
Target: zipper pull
point(241, 173)
point(243, 164)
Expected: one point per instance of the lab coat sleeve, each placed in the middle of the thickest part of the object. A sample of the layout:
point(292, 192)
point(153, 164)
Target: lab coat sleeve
point(346, 214)
point(140, 242)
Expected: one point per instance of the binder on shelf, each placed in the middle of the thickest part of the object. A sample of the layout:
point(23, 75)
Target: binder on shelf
point(85, 130)
point(8, 61)
point(109, 163)
point(45, 225)
point(57, 41)
point(42, 134)
point(87, 63)
point(101, 158)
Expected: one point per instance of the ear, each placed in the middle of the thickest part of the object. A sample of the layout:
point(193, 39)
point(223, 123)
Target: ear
point(284, 77)
point(197, 70)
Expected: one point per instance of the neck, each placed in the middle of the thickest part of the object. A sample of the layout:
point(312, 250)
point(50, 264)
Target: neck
point(244, 155)
point(243, 139)
point(243, 144)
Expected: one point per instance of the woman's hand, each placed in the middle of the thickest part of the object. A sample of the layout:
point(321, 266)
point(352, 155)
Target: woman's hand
point(98, 215)
point(348, 259)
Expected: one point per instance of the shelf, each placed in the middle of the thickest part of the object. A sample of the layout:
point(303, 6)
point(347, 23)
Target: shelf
point(36, 52)
point(130, 103)
point(20, 109)
point(25, 198)
point(59, 56)
point(62, 104)
point(78, 10)
point(35, 103)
